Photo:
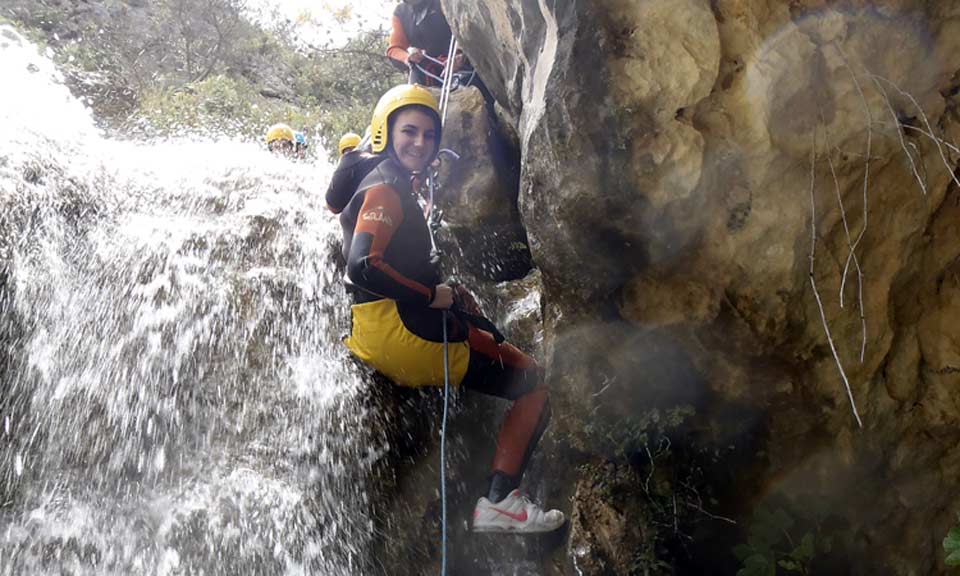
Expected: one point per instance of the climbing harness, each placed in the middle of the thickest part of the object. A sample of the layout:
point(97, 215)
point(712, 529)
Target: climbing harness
point(448, 79)
point(458, 79)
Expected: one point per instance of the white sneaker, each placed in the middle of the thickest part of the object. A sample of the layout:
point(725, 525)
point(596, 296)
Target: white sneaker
point(515, 514)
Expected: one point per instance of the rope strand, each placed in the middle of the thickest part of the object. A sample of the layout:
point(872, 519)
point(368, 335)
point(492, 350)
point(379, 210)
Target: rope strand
point(443, 447)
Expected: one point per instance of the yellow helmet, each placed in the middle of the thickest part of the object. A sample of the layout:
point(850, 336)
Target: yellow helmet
point(393, 100)
point(280, 132)
point(348, 140)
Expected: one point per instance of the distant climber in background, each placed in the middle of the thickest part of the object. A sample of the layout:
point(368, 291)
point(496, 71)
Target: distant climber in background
point(401, 307)
point(280, 140)
point(348, 142)
point(300, 146)
point(352, 168)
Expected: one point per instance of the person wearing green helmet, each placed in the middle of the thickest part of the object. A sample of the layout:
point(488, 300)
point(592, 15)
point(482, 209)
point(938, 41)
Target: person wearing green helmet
point(400, 318)
point(280, 140)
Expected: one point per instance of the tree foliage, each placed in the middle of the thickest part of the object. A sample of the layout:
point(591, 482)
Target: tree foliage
point(346, 83)
point(174, 66)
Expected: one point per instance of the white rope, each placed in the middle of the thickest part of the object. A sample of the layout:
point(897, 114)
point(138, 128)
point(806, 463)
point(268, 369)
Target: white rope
point(447, 79)
point(444, 98)
point(443, 448)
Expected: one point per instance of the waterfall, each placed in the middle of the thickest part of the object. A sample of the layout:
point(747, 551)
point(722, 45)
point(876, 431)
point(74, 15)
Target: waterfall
point(174, 398)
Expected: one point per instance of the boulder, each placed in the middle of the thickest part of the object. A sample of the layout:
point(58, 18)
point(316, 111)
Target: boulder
point(695, 177)
point(477, 194)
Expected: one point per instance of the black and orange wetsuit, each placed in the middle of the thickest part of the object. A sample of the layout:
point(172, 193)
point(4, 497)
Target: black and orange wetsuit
point(424, 27)
point(386, 244)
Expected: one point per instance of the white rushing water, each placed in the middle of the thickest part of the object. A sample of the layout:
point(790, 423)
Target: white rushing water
point(174, 398)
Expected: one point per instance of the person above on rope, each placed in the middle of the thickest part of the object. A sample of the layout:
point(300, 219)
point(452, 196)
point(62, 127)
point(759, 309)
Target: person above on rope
point(401, 307)
point(280, 140)
point(420, 30)
point(300, 146)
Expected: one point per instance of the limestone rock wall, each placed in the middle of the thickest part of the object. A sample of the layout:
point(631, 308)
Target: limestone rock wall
point(694, 175)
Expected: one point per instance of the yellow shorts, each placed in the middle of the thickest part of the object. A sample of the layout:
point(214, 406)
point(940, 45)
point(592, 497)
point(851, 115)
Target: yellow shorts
point(380, 340)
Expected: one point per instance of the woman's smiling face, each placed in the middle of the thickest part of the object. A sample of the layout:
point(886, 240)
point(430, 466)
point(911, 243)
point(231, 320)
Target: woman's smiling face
point(413, 139)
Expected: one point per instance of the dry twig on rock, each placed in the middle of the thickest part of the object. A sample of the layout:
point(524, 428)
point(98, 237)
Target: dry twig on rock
point(850, 247)
point(851, 255)
point(813, 281)
point(926, 122)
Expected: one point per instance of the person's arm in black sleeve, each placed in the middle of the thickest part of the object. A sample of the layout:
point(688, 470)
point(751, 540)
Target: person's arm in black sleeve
point(379, 218)
point(338, 195)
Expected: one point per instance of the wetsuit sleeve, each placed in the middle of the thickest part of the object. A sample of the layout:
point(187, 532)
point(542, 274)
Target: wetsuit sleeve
point(379, 218)
point(397, 49)
point(339, 191)
point(335, 204)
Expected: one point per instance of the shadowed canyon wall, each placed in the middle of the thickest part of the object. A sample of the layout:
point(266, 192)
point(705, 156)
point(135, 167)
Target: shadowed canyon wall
point(708, 188)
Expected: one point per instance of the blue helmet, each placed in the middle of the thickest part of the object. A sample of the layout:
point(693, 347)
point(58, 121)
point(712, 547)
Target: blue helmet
point(299, 138)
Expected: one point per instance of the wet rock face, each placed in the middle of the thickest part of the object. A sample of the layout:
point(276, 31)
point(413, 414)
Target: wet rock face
point(609, 530)
point(595, 130)
point(477, 194)
point(682, 162)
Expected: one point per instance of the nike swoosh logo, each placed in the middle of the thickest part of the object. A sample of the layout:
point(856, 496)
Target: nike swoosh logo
point(521, 517)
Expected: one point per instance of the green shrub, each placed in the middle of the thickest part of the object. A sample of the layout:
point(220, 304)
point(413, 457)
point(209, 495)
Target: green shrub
point(951, 545)
point(777, 543)
point(220, 105)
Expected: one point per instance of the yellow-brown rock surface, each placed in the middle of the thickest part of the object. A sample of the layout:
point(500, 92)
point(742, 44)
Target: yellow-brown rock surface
point(683, 164)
